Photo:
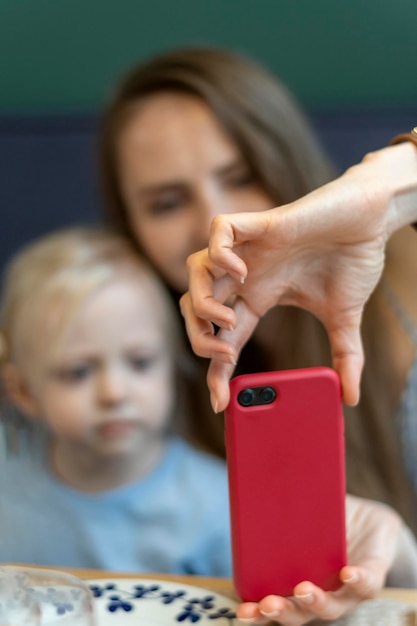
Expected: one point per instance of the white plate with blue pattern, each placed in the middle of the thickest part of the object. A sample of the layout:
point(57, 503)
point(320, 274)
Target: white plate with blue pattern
point(143, 602)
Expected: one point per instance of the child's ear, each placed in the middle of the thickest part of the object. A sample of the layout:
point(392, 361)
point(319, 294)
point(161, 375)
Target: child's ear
point(18, 390)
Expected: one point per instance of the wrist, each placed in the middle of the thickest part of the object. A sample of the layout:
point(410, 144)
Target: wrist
point(403, 204)
point(384, 185)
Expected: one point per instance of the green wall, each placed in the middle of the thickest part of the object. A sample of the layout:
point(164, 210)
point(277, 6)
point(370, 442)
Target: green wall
point(65, 54)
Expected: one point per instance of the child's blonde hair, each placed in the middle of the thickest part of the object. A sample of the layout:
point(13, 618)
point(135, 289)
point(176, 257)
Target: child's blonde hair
point(56, 274)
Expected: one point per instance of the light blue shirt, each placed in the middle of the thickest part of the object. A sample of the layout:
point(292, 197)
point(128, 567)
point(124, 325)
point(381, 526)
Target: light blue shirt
point(175, 520)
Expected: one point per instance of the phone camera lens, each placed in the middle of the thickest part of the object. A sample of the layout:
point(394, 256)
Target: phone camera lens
point(246, 397)
point(268, 395)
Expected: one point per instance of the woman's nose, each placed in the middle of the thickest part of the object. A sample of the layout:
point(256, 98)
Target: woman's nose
point(206, 210)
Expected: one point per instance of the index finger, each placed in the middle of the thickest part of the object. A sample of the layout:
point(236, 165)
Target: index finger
point(208, 288)
point(219, 373)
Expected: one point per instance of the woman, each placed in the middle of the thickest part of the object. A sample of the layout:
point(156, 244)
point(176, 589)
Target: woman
point(199, 132)
point(187, 136)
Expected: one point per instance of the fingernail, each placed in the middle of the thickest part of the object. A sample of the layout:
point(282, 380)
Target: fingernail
point(307, 598)
point(270, 615)
point(232, 360)
point(231, 327)
point(247, 620)
point(242, 280)
point(214, 402)
point(352, 579)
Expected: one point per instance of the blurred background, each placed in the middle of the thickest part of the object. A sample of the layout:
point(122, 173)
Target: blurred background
point(350, 63)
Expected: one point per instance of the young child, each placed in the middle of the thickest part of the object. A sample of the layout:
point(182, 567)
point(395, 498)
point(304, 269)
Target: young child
point(91, 356)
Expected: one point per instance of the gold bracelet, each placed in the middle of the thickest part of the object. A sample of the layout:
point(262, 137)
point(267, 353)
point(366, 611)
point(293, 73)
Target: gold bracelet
point(411, 136)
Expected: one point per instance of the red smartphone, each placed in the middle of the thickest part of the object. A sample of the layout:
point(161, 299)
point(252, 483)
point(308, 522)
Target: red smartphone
point(284, 437)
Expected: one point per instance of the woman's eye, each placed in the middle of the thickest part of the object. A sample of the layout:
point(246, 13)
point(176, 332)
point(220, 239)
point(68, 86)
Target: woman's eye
point(166, 205)
point(241, 179)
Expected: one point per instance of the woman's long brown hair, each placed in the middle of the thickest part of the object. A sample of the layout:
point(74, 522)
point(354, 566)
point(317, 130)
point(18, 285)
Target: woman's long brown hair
point(259, 114)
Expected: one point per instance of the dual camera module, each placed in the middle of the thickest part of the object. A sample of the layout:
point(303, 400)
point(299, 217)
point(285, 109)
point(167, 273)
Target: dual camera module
point(253, 396)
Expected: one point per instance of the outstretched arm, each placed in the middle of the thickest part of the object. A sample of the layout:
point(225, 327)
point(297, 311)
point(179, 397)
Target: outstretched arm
point(324, 253)
point(379, 546)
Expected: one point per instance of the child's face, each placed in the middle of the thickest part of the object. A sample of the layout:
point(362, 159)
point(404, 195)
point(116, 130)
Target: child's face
point(109, 388)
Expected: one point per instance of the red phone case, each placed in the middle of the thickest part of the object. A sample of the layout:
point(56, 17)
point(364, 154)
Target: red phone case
point(287, 483)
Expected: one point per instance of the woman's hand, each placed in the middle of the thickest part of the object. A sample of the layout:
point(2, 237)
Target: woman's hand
point(378, 543)
point(324, 253)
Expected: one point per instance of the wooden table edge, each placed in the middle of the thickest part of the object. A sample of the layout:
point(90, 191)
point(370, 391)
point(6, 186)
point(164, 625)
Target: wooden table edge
point(223, 586)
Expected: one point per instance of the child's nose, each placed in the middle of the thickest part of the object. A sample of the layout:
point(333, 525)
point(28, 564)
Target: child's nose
point(112, 387)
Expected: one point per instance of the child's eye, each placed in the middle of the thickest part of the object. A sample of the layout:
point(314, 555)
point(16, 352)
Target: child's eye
point(74, 374)
point(141, 363)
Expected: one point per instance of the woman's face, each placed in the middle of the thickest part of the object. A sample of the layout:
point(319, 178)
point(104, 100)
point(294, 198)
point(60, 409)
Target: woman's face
point(178, 169)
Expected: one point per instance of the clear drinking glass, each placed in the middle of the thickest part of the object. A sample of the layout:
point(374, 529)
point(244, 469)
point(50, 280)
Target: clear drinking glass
point(18, 607)
point(62, 599)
